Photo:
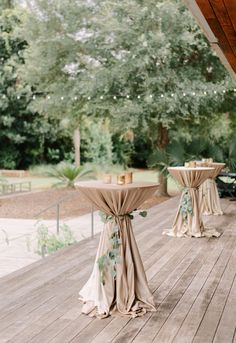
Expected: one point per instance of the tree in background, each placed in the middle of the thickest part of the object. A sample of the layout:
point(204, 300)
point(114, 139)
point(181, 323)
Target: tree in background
point(56, 57)
point(156, 71)
point(15, 119)
point(26, 137)
point(145, 65)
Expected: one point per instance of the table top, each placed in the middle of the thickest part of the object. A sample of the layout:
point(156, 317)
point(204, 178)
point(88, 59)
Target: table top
point(182, 168)
point(113, 186)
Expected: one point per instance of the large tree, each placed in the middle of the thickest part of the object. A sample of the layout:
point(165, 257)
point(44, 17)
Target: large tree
point(56, 57)
point(155, 70)
point(15, 119)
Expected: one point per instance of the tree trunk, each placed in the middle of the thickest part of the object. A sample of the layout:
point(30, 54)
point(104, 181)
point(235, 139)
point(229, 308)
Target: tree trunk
point(76, 139)
point(163, 141)
point(162, 190)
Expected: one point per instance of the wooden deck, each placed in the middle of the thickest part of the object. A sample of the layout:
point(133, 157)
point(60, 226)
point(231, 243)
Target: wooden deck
point(193, 281)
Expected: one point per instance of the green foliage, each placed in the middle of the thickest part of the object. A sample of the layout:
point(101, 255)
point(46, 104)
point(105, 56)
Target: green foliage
point(112, 256)
point(186, 207)
point(48, 242)
point(96, 141)
point(68, 174)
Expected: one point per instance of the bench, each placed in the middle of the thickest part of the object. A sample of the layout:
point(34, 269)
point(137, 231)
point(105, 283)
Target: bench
point(14, 187)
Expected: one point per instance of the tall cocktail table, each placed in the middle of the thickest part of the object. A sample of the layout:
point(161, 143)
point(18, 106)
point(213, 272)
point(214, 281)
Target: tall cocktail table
point(118, 282)
point(188, 220)
point(208, 193)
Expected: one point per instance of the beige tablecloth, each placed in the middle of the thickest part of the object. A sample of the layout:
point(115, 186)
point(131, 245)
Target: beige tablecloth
point(192, 225)
point(128, 293)
point(208, 194)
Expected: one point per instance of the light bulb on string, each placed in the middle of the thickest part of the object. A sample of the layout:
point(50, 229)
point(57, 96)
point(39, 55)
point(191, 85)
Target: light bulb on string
point(150, 95)
point(172, 94)
point(34, 97)
point(18, 97)
point(138, 97)
point(162, 96)
point(184, 94)
point(101, 97)
point(62, 97)
point(89, 98)
point(215, 92)
point(127, 96)
point(205, 93)
point(75, 98)
point(193, 93)
point(114, 97)
point(48, 97)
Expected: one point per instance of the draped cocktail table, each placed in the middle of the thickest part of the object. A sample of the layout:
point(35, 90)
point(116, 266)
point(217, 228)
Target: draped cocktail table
point(188, 221)
point(118, 282)
point(208, 194)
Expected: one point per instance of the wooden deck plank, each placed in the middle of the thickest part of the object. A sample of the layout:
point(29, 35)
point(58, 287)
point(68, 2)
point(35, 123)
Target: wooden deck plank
point(171, 326)
point(210, 321)
point(190, 278)
point(227, 326)
point(168, 298)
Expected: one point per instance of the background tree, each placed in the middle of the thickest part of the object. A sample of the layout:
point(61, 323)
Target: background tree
point(57, 34)
point(155, 70)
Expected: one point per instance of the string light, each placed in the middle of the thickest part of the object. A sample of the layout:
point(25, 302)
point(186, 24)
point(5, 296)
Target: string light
point(48, 97)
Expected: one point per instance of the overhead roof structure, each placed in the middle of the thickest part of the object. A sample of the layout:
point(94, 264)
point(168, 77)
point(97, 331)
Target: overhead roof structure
point(217, 18)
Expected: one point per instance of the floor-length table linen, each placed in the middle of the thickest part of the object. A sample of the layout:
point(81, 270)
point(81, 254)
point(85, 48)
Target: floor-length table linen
point(209, 199)
point(192, 224)
point(128, 293)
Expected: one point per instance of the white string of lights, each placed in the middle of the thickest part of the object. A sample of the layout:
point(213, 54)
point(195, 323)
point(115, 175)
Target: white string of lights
point(116, 97)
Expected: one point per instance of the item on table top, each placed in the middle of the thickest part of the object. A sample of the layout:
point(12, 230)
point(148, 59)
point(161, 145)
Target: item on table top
point(107, 178)
point(186, 164)
point(192, 164)
point(128, 177)
point(121, 179)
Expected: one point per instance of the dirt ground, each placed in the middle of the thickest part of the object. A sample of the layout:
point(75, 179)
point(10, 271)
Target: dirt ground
point(29, 205)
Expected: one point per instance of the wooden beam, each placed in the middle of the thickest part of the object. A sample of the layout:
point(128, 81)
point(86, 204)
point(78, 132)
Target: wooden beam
point(207, 20)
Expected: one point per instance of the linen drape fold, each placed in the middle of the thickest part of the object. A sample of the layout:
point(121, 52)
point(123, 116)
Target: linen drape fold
point(208, 194)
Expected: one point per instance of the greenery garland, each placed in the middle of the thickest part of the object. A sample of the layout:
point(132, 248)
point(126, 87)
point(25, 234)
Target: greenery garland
point(112, 257)
point(186, 207)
